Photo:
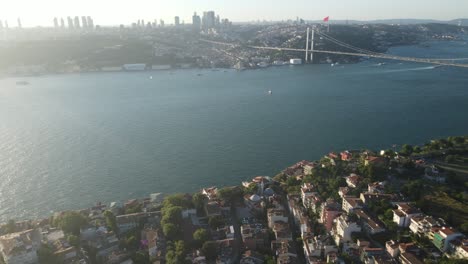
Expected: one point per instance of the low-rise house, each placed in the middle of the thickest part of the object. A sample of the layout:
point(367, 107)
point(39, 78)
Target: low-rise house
point(254, 236)
point(392, 248)
point(303, 167)
point(409, 258)
point(403, 214)
point(316, 247)
point(369, 253)
point(282, 231)
point(432, 173)
point(254, 202)
point(370, 225)
point(346, 155)
point(443, 237)
point(285, 252)
point(210, 193)
point(375, 161)
point(367, 198)
point(66, 255)
point(128, 222)
point(213, 208)
point(351, 203)
point(376, 187)
point(343, 229)
point(343, 191)
point(252, 257)
point(20, 247)
point(353, 180)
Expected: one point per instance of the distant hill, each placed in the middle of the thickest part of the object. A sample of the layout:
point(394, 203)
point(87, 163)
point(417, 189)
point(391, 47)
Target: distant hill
point(463, 21)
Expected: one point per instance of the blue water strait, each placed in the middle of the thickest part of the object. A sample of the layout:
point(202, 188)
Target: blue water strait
point(68, 141)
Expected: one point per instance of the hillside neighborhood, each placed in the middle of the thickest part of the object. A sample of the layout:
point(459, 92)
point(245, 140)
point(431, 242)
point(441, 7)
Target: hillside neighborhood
point(402, 205)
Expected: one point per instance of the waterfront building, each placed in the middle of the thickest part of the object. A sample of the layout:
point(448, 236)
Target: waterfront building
point(20, 247)
point(176, 21)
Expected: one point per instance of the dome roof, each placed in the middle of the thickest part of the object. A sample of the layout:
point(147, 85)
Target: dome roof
point(255, 198)
point(269, 192)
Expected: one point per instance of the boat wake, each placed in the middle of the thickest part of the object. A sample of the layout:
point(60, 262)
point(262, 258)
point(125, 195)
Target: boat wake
point(412, 69)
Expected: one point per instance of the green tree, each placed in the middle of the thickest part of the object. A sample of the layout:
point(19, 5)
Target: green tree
point(450, 159)
point(111, 221)
point(199, 201)
point(200, 236)
point(176, 254)
point(172, 215)
point(210, 250)
point(73, 240)
point(216, 221)
point(177, 200)
point(71, 222)
point(46, 255)
point(171, 231)
point(407, 149)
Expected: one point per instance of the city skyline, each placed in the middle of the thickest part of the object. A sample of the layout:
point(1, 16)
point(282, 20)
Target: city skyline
point(239, 11)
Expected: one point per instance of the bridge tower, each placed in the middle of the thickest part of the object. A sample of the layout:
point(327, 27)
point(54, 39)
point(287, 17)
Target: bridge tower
point(307, 47)
point(312, 46)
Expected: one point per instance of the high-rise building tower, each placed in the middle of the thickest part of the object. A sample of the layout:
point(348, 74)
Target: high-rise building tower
point(161, 23)
point(90, 22)
point(62, 23)
point(208, 20)
point(176, 21)
point(84, 22)
point(19, 23)
point(77, 22)
point(70, 23)
point(56, 25)
point(196, 21)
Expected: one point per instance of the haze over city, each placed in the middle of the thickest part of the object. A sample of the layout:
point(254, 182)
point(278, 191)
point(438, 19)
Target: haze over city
point(108, 12)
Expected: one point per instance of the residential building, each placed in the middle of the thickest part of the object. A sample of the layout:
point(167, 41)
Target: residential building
point(20, 247)
point(422, 225)
point(351, 203)
point(376, 187)
point(211, 192)
point(275, 215)
point(346, 155)
point(128, 222)
point(443, 237)
point(343, 229)
point(329, 211)
point(343, 191)
point(409, 258)
point(403, 214)
point(353, 180)
point(370, 225)
point(459, 248)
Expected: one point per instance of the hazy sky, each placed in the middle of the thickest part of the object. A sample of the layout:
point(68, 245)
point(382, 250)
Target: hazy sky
point(112, 12)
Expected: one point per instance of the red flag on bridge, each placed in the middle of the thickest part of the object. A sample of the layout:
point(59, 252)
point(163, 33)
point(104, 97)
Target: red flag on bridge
point(326, 19)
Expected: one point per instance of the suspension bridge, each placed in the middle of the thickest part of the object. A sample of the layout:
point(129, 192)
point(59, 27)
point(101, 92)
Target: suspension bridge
point(354, 51)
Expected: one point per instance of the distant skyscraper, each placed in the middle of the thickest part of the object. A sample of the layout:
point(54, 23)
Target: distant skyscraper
point(208, 20)
point(62, 23)
point(161, 23)
point(56, 25)
point(142, 23)
point(217, 21)
point(84, 22)
point(155, 23)
point(77, 22)
point(196, 21)
point(90, 22)
point(176, 21)
point(70, 23)
point(19, 23)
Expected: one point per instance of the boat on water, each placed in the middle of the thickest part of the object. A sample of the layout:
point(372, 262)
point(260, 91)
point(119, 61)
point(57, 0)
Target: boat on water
point(270, 92)
point(22, 83)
